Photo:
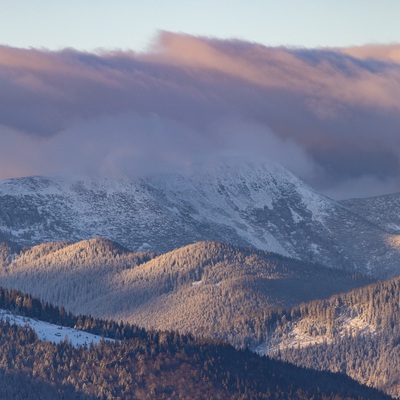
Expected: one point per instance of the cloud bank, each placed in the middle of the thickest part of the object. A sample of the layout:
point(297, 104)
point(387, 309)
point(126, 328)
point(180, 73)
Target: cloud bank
point(332, 116)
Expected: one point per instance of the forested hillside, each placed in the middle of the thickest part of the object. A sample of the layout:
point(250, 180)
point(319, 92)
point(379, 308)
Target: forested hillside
point(207, 288)
point(357, 333)
point(149, 365)
point(211, 289)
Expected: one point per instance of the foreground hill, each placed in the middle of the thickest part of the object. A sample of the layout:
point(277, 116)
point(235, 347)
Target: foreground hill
point(257, 204)
point(148, 365)
point(356, 333)
point(205, 288)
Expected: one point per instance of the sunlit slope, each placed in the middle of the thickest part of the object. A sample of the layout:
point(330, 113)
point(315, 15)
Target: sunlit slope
point(204, 288)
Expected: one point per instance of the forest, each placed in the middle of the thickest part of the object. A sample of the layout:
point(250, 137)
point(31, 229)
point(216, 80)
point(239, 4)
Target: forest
point(356, 333)
point(206, 288)
point(147, 365)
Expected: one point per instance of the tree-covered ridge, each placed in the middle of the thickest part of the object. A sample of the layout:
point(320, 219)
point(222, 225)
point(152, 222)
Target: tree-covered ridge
point(207, 288)
point(155, 365)
point(357, 333)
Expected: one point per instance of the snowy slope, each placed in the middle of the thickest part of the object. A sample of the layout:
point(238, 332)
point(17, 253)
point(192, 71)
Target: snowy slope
point(257, 204)
point(161, 212)
point(50, 332)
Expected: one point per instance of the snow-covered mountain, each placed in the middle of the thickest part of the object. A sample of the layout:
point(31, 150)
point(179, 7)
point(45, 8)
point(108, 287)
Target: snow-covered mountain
point(257, 204)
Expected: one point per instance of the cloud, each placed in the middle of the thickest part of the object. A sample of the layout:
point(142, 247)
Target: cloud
point(379, 53)
point(329, 115)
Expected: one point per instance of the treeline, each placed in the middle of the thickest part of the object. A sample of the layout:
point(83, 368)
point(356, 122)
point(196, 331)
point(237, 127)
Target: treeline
point(28, 306)
point(155, 365)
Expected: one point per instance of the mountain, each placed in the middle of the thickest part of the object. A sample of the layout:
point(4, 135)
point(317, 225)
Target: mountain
point(203, 288)
point(147, 365)
point(259, 204)
point(383, 211)
point(356, 333)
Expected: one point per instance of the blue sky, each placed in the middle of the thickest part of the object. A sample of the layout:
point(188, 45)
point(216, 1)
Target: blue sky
point(127, 24)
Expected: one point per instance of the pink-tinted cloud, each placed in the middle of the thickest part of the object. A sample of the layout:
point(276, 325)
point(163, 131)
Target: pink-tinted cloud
point(330, 115)
point(389, 52)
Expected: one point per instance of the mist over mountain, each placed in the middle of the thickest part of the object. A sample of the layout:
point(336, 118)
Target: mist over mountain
point(234, 291)
point(331, 116)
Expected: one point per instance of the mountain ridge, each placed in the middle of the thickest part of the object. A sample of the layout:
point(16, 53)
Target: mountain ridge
point(256, 204)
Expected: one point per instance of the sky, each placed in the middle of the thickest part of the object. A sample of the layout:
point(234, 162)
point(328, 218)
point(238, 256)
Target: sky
point(127, 24)
point(125, 88)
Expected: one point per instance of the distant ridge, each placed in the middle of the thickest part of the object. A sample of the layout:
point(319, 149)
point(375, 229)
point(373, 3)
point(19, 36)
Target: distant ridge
point(242, 203)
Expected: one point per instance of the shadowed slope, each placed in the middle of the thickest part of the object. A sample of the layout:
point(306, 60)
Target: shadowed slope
point(356, 333)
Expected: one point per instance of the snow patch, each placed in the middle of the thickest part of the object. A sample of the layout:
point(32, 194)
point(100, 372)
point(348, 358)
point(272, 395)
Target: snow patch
point(299, 336)
point(315, 248)
point(296, 217)
point(53, 333)
point(393, 227)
